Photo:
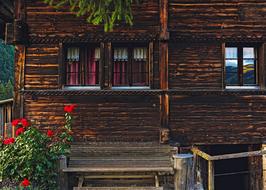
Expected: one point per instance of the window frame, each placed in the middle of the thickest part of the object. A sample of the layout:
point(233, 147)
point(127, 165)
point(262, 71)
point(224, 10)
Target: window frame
point(83, 48)
point(240, 63)
point(130, 48)
point(105, 66)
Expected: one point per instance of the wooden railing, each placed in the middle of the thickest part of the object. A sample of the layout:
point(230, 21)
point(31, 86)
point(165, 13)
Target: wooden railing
point(210, 159)
point(6, 129)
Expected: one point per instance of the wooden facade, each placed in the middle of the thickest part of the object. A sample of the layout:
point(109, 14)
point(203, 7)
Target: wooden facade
point(187, 94)
point(5, 118)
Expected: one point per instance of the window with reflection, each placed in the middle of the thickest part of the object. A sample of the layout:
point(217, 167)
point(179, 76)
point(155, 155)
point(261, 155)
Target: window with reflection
point(82, 66)
point(240, 66)
point(130, 66)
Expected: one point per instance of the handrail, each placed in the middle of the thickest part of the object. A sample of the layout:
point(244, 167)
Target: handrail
point(227, 156)
point(10, 100)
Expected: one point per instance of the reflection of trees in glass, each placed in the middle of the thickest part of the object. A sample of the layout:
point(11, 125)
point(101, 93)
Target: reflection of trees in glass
point(6, 70)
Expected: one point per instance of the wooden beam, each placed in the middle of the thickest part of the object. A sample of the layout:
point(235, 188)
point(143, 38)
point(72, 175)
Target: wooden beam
point(102, 66)
point(201, 154)
point(164, 34)
point(61, 70)
point(239, 155)
point(19, 80)
point(210, 175)
point(108, 66)
point(261, 66)
point(227, 156)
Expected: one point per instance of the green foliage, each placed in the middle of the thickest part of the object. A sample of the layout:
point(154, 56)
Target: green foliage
point(6, 90)
point(29, 156)
point(34, 155)
point(6, 70)
point(107, 12)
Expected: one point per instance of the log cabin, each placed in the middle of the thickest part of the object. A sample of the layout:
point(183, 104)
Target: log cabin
point(187, 73)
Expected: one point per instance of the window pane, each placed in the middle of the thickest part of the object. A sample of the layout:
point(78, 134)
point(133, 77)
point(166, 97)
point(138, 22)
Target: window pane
point(231, 53)
point(249, 72)
point(248, 52)
point(140, 67)
point(73, 66)
point(120, 75)
point(231, 72)
point(92, 67)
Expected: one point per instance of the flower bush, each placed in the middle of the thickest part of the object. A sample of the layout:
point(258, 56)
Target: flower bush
point(31, 158)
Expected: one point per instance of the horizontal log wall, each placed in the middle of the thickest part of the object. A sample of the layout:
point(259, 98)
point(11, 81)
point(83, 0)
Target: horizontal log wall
point(195, 66)
point(41, 68)
point(44, 20)
point(212, 119)
point(217, 17)
point(100, 118)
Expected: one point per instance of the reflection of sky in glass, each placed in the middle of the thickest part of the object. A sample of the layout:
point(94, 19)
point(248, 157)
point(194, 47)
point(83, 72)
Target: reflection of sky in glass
point(248, 62)
point(231, 53)
point(248, 52)
point(231, 63)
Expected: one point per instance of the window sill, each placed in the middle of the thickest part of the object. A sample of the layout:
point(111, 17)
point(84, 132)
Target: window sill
point(131, 88)
point(255, 88)
point(82, 88)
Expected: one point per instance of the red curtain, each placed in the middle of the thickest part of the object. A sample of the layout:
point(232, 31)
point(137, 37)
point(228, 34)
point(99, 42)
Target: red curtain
point(73, 73)
point(120, 73)
point(91, 69)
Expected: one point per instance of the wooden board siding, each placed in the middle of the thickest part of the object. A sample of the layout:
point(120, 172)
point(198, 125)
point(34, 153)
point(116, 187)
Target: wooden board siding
point(65, 23)
point(212, 119)
point(217, 17)
point(41, 68)
point(101, 118)
point(195, 66)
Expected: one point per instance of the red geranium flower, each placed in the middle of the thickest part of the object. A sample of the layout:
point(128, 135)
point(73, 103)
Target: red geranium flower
point(69, 108)
point(25, 182)
point(9, 141)
point(50, 133)
point(15, 122)
point(24, 122)
point(20, 131)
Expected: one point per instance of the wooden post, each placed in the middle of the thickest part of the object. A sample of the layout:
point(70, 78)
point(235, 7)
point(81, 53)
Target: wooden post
point(264, 167)
point(108, 71)
point(262, 65)
point(20, 14)
point(63, 177)
point(210, 175)
point(163, 62)
point(184, 174)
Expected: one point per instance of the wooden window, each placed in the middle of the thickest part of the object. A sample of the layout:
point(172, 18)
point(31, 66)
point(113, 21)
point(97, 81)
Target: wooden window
point(82, 66)
point(241, 66)
point(130, 66)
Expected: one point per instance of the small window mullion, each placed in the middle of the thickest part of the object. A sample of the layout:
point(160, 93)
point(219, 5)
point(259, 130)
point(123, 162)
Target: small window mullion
point(240, 66)
point(129, 68)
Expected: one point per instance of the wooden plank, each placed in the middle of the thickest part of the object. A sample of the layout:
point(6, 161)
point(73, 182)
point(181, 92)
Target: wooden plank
point(239, 155)
point(117, 176)
point(20, 54)
point(164, 34)
point(61, 67)
point(122, 169)
point(210, 175)
point(201, 153)
point(118, 188)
